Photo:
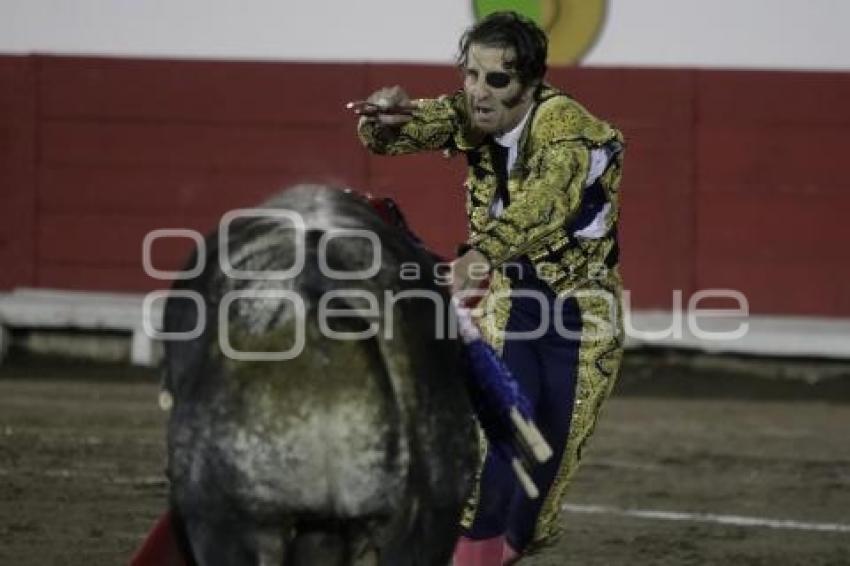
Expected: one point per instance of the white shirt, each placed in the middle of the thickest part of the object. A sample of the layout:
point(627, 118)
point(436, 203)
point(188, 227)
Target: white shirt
point(509, 140)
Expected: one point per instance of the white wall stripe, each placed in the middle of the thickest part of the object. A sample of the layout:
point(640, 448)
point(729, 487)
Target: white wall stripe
point(777, 34)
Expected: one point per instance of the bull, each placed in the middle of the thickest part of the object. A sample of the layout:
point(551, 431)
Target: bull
point(360, 447)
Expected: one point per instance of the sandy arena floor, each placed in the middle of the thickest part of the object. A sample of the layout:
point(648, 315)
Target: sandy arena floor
point(716, 462)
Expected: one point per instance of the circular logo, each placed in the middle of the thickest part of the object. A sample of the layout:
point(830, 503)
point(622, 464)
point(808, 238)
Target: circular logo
point(573, 26)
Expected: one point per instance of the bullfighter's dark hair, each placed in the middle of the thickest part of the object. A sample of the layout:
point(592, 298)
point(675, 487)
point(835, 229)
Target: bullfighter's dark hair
point(509, 29)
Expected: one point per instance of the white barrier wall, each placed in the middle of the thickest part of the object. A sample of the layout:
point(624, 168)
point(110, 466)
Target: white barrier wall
point(779, 34)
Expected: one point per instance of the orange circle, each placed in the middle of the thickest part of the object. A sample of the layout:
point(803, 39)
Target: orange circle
point(573, 26)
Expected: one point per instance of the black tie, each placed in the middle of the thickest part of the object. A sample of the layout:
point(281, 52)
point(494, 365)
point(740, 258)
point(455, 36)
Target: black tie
point(499, 157)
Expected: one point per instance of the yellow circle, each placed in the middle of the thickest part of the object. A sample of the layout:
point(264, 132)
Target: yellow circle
point(573, 27)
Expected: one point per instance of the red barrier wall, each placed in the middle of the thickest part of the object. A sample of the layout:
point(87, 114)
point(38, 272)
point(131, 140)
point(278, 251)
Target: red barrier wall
point(17, 171)
point(733, 179)
point(772, 198)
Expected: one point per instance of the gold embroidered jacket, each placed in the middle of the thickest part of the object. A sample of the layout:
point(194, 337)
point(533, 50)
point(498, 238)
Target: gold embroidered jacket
point(549, 201)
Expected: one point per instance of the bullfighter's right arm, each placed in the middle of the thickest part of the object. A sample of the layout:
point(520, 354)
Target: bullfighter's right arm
point(435, 124)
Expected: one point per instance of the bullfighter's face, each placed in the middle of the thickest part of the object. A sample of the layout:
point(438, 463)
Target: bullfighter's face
point(496, 98)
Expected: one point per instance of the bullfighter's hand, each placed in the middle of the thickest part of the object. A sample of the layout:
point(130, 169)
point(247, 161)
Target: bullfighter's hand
point(389, 98)
point(469, 271)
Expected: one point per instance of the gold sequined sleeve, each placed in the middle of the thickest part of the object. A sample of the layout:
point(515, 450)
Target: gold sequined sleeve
point(541, 207)
point(435, 125)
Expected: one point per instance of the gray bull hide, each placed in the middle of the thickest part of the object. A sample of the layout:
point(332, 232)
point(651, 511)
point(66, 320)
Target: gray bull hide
point(353, 452)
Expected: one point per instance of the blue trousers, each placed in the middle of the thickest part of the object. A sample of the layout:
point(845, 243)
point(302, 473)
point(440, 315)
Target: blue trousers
point(546, 369)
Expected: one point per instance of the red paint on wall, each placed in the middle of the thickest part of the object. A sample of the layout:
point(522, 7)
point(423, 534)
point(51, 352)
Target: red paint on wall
point(732, 179)
point(18, 129)
point(771, 189)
